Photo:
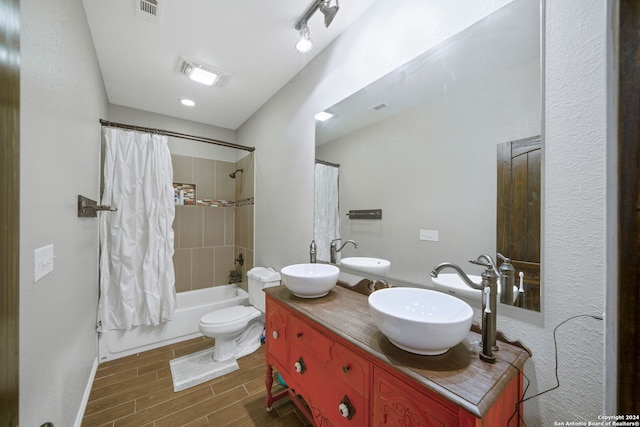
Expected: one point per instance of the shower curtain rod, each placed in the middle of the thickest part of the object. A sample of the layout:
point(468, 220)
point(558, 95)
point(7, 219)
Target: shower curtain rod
point(177, 135)
point(323, 162)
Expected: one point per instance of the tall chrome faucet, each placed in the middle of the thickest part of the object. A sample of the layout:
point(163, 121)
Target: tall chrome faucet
point(313, 250)
point(486, 259)
point(462, 274)
point(489, 279)
point(334, 248)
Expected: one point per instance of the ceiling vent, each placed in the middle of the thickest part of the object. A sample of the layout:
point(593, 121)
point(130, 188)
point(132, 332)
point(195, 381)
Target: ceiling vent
point(378, 107)
point(149, 10)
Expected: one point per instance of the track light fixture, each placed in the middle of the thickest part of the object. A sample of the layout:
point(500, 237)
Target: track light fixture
point(329, 12)
point(304, 44)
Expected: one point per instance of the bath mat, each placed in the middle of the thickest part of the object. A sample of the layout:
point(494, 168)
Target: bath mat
point(196, 368)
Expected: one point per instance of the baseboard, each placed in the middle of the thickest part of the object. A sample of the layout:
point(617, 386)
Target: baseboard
point(87, 391)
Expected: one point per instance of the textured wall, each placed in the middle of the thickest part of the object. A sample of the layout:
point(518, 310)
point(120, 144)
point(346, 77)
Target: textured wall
point(574, 210)
point(62, 98)
point(574, 175)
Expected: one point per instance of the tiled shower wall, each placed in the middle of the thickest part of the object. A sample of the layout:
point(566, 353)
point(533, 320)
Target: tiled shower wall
point(244, 193)
point(209, 239)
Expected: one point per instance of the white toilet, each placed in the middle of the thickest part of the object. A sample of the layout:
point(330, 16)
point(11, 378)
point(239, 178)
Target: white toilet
point(237, 330)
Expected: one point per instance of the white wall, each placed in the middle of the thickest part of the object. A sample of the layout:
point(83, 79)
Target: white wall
point(574, 173)
point(62, 97)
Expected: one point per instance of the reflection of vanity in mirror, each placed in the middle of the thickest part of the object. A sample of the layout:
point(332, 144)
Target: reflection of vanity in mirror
point(421, 144)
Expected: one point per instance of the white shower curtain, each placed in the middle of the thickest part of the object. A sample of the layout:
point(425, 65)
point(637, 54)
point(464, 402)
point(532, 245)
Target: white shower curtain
point(327, 210)
point(137, 280)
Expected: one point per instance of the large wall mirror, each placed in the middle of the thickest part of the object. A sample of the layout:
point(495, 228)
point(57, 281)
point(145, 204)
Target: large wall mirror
point(421, 145)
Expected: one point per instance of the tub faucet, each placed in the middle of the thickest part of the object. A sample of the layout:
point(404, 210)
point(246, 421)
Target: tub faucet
point(334, 248)
point(489, 280)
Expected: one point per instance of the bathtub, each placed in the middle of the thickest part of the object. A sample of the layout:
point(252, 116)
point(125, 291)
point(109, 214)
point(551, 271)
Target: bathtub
point(190, 307)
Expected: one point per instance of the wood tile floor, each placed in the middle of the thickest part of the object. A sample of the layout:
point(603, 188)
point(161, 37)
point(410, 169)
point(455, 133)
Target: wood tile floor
point(138, 391)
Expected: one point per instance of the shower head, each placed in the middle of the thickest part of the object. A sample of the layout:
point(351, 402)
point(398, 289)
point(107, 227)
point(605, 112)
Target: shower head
point(233, 174)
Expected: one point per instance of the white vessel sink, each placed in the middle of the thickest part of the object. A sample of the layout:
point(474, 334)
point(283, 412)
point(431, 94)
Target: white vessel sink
point(368, 265)
point(454, 285)
point(420, 321)
point(310, 280)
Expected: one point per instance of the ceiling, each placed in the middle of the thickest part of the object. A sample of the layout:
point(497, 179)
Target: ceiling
point(252, 40)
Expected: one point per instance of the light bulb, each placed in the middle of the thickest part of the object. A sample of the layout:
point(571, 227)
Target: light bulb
point(304, 43)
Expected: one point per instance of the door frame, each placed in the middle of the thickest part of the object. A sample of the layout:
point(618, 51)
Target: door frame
point(627, 324)
point(9, 211)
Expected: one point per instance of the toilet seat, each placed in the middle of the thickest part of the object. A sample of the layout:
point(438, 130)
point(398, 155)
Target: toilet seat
point(227, 314)
point(227, 320)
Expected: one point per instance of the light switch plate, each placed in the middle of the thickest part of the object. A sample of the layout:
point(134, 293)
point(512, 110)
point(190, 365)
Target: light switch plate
point(43, 262)
point(430, 235)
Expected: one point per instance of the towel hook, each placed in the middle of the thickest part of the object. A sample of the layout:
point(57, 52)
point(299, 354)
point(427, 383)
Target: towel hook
point(88, 208)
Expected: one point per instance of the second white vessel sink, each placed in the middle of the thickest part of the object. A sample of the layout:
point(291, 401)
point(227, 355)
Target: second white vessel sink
point(367, 264)
point(310, 280)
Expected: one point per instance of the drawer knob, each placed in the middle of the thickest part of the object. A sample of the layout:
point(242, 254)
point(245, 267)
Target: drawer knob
point(345, 368)
point(299, 366)
point(299, 334)
point(275, 335)
point(346, 408)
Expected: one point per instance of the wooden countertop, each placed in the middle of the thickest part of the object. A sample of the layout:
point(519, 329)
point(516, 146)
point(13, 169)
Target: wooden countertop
point(458, 375)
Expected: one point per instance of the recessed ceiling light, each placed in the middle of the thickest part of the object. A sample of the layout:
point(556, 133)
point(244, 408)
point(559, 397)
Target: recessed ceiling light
point(188, 102)
point(323, 115)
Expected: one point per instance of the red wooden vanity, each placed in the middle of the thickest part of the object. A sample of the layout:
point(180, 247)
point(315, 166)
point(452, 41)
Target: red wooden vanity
point(341, 371)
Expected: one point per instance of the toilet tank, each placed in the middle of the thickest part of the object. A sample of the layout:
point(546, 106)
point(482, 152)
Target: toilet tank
point(260, 278)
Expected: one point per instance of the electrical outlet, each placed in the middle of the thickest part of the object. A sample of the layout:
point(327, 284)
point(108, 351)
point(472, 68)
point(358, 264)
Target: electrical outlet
point(429, 235)
point(43, 262)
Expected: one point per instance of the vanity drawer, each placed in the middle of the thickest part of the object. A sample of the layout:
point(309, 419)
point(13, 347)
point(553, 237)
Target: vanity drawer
point(336, 360)
point(309, 351)
point(335, 403)
point(276, 325)
point(309, 341)
point(346, 366)
point(332, 401)
point(332, 380)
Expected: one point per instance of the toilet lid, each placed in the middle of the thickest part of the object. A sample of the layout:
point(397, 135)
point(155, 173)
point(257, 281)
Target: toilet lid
point(228, 314)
